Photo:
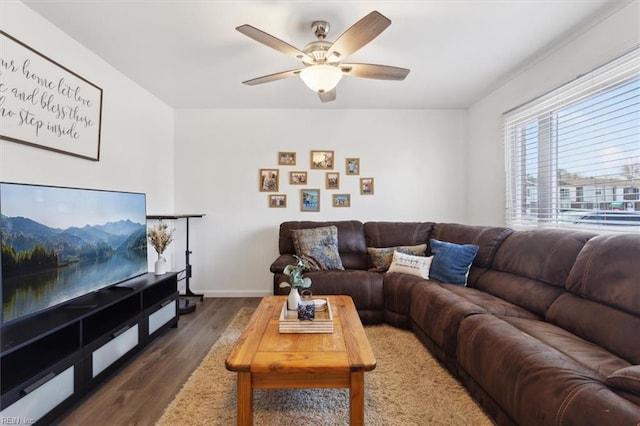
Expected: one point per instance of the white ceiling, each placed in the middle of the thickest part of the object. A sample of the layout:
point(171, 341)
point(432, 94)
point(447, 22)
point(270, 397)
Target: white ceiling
point(189, 54)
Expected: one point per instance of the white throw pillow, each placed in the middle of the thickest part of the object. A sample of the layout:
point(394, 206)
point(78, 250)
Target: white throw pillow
point(412, 265)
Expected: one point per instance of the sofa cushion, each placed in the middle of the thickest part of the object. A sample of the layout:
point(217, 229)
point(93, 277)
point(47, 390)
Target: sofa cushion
point(545, 255)
point(319, 246)
point(390, 234)
point(611, 328)
point(532, 295)
point(589, 354)
point(490, 303)
point(602, 303)
point(397, 296)
point(530, 267)
point(487, 238)
point(534, 383)
point(412, 265)
point(438, 313)
point(451, 262)
point(351, 243)
point(381, 257)
point(626, 379)
point(607, 270)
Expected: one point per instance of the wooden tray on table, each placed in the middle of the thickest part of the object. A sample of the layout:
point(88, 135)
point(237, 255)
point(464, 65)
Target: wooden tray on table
point(323, 322)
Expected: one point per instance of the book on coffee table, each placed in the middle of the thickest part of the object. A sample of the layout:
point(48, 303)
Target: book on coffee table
point(322, 323)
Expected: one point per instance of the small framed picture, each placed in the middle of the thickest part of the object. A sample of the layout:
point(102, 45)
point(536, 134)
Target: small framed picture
point(287, 158)
point(322, 160)
point(332, 180)
point(309, 200)
point(366, 186)
point(352, 166)
point(341, 200)
point(269, 180)
point(277, 200)
point(298, 178)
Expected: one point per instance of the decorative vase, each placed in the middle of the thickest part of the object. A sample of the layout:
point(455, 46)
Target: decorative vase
point(160, 265)
point(293, 299)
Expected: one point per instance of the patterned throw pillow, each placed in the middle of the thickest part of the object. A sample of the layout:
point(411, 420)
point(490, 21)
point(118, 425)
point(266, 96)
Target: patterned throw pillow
point(412, 265)
point(318, 246)
point(451, 262)
point(381, 257)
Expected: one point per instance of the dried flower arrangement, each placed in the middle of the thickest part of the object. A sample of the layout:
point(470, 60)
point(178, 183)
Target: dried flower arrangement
point(160, 236)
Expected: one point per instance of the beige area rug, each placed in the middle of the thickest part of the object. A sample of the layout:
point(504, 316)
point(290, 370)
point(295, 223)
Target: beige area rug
point(408, 387)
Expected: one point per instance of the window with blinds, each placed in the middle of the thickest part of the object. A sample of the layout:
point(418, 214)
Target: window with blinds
point(573, 154)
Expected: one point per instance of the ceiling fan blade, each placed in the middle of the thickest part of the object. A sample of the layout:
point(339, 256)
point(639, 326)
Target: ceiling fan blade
point(379, 72)
point(328, 96)
point(271, 77)
point(359, 34)
point(273, 42)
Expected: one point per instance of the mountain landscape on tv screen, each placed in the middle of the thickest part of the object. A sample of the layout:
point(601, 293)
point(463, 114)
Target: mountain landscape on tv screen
point(22, 238)
point(43, 266)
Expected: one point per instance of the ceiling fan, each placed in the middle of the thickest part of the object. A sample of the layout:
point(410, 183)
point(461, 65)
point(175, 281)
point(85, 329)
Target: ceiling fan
point(322, 59)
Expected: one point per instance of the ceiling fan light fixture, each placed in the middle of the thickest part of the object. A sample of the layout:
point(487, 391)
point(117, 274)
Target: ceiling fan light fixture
point(322, 66)
point(321, 78)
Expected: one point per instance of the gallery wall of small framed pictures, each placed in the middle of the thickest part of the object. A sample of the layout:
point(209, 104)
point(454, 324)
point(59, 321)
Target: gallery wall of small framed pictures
point(320, 161)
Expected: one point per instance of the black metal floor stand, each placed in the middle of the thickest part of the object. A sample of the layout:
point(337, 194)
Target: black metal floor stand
point(185, 305)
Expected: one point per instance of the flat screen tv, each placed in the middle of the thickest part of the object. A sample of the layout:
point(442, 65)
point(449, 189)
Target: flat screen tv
point(62, 243)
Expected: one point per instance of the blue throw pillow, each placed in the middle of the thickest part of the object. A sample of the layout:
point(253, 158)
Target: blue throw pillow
point(451, 262)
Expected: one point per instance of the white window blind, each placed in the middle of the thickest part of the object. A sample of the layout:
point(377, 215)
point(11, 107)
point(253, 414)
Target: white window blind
point(573, 154)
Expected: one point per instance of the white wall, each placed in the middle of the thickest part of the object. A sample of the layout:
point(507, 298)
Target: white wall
point(417, 159)
point(209, 163)
point(428, 165)
point(136, 152)
point(596, 45)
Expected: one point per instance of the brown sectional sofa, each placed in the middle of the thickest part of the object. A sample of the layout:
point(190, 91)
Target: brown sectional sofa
point(546, 318)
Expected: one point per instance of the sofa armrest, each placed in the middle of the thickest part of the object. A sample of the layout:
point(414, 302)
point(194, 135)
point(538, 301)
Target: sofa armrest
point(281, 262)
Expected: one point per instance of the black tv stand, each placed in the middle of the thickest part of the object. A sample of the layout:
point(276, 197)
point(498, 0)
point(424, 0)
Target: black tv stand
point(185, 306)
point(52, 359)
point(80, 306)
point(123, 287)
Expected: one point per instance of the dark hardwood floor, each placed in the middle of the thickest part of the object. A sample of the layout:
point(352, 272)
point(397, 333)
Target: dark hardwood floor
point(139, 392)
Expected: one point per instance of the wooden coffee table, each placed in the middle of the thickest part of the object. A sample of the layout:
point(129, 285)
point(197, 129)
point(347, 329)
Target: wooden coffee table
point(267, 359)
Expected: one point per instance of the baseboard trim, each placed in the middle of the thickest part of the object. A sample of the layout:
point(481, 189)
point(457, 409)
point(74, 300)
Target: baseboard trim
point(232, 293)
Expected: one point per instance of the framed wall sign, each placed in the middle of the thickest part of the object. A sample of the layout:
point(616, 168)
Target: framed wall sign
point(46, 105)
